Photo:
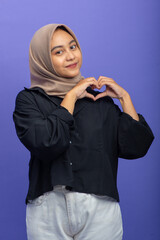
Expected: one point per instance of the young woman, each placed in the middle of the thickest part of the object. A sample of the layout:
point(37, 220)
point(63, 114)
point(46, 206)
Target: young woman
point(75, 136)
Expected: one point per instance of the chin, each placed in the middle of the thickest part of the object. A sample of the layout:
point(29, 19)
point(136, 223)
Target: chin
point(71, 75)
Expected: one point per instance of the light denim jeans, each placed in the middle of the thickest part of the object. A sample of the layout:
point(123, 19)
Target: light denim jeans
point(65, 215)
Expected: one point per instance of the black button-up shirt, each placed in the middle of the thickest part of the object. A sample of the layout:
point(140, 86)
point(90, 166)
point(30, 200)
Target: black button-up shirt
point(81, 150)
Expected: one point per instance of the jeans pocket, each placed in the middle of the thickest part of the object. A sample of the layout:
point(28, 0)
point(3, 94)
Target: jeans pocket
point(38, 201)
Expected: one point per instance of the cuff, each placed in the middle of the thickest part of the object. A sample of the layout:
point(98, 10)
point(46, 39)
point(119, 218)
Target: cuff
point(63, 114)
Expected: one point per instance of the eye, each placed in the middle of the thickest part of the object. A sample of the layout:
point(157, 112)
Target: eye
point(73, 47)
point(59, 52)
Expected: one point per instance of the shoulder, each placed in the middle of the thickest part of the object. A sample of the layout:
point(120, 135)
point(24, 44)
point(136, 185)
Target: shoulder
point(29, 93)
point(27, 96)
point(24, 96)
point(36, 97)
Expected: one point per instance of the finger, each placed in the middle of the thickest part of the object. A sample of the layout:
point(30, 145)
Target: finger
point(85, 80)
point(90, 96)
point(109, 80)
point(90, 78)
point(106, 82)
point(95, 83)
point(92, 86)
point(92, 82)
point(101, 77)
point(100, 95)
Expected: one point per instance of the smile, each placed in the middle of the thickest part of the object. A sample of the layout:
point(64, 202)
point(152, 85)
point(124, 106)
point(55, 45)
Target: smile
point(72, 65)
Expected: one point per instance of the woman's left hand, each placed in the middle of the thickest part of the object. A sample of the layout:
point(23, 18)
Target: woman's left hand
point(115, 91)
point(112, 90)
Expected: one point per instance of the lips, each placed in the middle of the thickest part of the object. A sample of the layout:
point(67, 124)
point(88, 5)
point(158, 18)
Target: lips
point(72, 65)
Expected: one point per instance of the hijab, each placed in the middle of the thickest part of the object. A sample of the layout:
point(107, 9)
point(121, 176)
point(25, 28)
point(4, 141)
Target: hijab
point(42, 72)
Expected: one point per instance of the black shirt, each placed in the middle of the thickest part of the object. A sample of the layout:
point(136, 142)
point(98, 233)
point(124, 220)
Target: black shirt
point(79, 150)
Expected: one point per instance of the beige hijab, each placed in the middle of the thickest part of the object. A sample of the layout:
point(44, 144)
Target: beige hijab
point(42, 71)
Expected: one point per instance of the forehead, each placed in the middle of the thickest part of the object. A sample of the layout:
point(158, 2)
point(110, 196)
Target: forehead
point(60, 37)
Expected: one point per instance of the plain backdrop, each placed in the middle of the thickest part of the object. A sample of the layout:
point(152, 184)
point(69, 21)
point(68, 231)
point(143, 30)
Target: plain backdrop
point(119, 39)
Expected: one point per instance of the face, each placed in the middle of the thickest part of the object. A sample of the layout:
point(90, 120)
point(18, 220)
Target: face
point(65, 54)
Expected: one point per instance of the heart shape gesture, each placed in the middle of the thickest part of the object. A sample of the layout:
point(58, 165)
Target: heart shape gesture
point(112, 90)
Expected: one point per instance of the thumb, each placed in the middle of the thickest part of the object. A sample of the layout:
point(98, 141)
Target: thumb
point(90, 96)
point(100, 95)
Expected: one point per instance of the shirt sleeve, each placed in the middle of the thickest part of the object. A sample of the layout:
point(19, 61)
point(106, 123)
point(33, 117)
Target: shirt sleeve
point(46, 137)
point(134, 137)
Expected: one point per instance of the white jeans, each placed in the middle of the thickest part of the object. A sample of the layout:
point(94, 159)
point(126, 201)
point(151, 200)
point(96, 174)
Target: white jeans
point(64, 215)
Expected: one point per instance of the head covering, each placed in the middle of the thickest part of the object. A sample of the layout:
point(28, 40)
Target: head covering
point(42, 72)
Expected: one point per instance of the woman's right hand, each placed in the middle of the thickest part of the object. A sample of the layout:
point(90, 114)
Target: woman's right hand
point(79, 91)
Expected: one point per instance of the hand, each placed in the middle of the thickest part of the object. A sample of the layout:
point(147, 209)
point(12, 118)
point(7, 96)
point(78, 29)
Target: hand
point(79, 90)
point(112, 90)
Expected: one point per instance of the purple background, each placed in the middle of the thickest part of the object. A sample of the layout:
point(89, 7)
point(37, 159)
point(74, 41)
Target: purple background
point(119, 39)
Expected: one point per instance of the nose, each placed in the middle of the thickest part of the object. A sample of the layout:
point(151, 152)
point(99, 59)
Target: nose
point(69, 55)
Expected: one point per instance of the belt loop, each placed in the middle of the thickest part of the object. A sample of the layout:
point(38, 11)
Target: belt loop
point(62, 188)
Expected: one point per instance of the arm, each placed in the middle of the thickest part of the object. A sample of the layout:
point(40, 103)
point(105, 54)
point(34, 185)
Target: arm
point(48, 136)
point(128, 107)
point(134, 134)
point(134, 137)
point(79, 91)
point(115, 91)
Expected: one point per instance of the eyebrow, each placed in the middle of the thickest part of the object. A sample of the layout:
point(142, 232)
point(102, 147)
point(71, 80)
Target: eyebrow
point(62, 45)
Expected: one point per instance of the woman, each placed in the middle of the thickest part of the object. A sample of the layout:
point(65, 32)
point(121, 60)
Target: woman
point(75, 136)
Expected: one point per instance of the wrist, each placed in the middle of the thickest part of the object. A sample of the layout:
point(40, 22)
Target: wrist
point(69, 101)
point(125, 97)
point(71, 95)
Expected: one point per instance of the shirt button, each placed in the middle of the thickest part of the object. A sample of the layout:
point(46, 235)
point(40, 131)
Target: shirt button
point(70, 142)
point(71, 163)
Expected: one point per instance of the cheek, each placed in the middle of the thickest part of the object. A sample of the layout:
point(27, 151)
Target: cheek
point(57, 62)
point(80, 60)
point(79, 56)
